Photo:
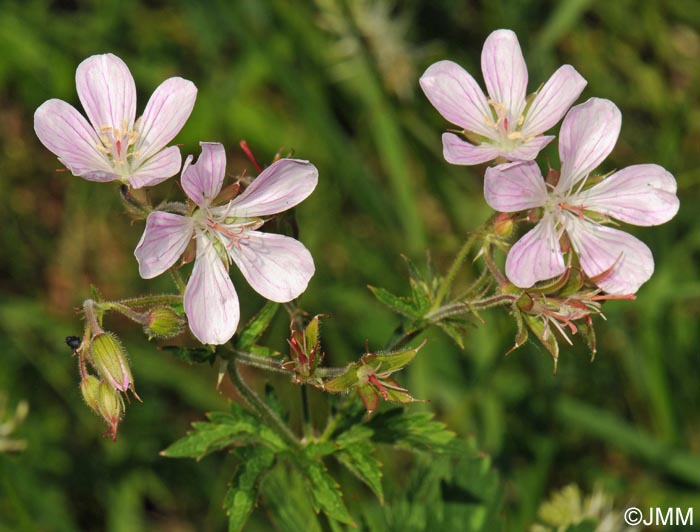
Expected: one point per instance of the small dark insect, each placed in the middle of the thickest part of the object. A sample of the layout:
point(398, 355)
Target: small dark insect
point(73, 342)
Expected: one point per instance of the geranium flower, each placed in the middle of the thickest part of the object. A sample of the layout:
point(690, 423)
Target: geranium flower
point(277, 267)
point(505, 124)
point(642, 194)
point(114, 146)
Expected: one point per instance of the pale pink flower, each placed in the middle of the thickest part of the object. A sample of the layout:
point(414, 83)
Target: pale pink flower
point(642, 194)
point(114, 146)
point(504, 124)
point(277, 267)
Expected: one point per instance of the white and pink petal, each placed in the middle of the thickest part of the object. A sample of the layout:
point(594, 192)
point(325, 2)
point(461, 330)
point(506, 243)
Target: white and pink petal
point(514, 187)
point(164, 240)
point(65, 132)
point(458, 151)
point(157, 169)
point(643, 194)
point(536, 256)
point(528, 150)
point(277, 267)
point(211, 302)
point(281, 186)
point(553, 100)
point(457, 97)
point(505, 71)
point(107, 91)
point(625, 260)
point(588, 135)
point(166, 113)
point(202, 180)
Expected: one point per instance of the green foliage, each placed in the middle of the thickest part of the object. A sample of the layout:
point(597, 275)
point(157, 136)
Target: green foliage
point(255, 328)
point(242, 494)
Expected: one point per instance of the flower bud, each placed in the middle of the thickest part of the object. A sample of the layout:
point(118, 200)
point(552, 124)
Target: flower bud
point(110, 406)
point(503, 225)
point(110, 360)
point(163, 322)
point(90, 388)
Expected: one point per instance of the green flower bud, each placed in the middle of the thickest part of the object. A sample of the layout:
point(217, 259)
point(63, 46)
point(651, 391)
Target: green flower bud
point(110, 359)
point(110, 406)
point(503, 225)
point(90, 388)
point(163, 322)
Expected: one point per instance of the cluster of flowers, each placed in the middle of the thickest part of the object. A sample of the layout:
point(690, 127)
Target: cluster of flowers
point(574, 207)
point(113, 146)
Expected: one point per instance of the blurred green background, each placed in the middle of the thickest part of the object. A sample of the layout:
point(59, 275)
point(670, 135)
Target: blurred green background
point(337, 83)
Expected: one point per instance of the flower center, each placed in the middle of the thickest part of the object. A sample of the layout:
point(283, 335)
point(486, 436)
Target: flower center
point(117, 144)
point(506, 127)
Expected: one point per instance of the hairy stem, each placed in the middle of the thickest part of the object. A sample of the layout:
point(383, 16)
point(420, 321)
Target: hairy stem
point(259, 406)
point(178, 280)
point(457, 263)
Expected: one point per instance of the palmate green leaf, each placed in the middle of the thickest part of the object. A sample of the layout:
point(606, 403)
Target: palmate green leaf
point(287, 501)
point(452, 330)
point(360, 460)
point(417, 431)
point(255, 328)
point(243, 492)
point(400, 305)
point(223, 430)
point(324, 490)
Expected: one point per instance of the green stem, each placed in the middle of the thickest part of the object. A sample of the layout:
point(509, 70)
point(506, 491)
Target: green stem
point(335, 420)
point(254, 401)
point(457, 263)
point(178, 280)
point(124, 310)
point(261, 362)
point(502, 280)
point(152, 300)
point(454, 269)
point(462, 307)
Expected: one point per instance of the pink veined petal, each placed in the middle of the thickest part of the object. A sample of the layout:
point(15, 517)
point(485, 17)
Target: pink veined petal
point(536, 256)
point(458, 151)
point(505, 71)
point(202, 180)
point(643, 194)
point(158, 168)
point(514, 187)
point(107, 91)
point(588, 135)
point(528, 150)
point(457, 97)
point(211, 302)
point(163, 241)
point(166, 113)
point(64, 131)
point(553, 100)
point(277, 267)
point(279, 187)
point(601, 248)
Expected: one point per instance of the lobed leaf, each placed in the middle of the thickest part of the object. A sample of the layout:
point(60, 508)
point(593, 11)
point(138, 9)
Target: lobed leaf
point(241, 495)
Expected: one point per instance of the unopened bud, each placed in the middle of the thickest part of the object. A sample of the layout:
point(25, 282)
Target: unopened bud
point(110, 360)
point(110, 406)
point(90, 388)
point(503, 225)
point(163, 322)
